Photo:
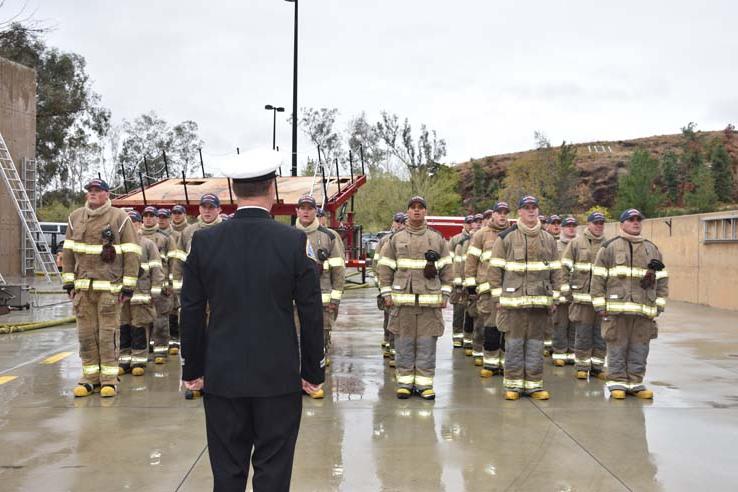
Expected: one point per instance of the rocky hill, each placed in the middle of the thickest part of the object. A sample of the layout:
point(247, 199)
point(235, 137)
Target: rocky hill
point(599, 163)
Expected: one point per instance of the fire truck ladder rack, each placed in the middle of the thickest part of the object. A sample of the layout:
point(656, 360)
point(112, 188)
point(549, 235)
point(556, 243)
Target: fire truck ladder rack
point(32, 229)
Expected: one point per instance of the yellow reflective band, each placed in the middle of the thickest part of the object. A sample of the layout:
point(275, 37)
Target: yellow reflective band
point(177, 284)
point(482, 288)
point(109, 370)
point(599, 271)
point(125, 359)
point(583, 298)
point(446, 289)
point(67, 278)
point(406, 379)
point(82, 284)
point(336, 262)
point(512, 383)
point(423, 380)
point(336, 295)
point(458, 259)
point(458, 281)
point(631, 308)
point(496, 292)
point(403, 299)
point(69, 244)
point(526, 301)
point(139, 360)
point(662, 274)
point(554, 265)
point(326, 297)
point(129, 281)
point(470, 282)
point(140, 299)
point(93, 369)
point(430, 299)
point(474, 251)
point(131, 248)
point(497, 262)
point(446, 260)
point(156, 290)
point(452, 254)
point(145, 267)
point(582, 362)
point(556, 294)
point(411, 264)
point(559, 356)
point(598, 361)
point(624, 271)
point(385, 290)
point(660, 302)
point(486, 255)
point(178, 254)
point(533, 385)
point(598, 301)
point(565, 288)
point(377, 257)
point(568, 263)
point(582, 267)
point(531, 266)
point(491, 361)
point(388, 262)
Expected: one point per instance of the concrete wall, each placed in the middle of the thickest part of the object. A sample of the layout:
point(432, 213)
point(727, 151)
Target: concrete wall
point(18, 127)
point(698, 272)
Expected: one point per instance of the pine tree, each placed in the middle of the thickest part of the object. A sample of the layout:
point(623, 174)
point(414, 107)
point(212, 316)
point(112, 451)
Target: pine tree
point(703, 197)
point(561, 188)
point(636, 189)
point(671, 177)
point(722, 173)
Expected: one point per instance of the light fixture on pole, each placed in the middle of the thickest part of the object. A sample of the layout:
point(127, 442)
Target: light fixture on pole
point(274, 110)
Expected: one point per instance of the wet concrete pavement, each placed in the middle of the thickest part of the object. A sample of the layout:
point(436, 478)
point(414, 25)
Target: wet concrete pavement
point(362, 438)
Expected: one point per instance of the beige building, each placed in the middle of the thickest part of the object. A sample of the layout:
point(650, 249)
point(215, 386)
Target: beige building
point(18, 127)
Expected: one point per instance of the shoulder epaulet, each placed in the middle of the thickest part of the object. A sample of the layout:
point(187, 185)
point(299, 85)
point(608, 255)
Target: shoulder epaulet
point(607, 243)
point(507, 231)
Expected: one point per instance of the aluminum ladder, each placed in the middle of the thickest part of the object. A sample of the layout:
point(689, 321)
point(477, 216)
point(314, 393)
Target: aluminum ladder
point(45, 263)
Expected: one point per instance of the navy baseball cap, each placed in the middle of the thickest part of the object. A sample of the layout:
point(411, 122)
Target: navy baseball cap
point(150, 210)
point(399, 217)
point(488, 213)
point(468, 219)
point(179, 209)
point(596, 217)
point(569, 221)
point(210, 199)
point(527, 200)
point(164, 212)
point(135, 216)
point(478, 217)
point(501, 206)
point(631, 212)
point(307, 199)
point(97, 183)
point(417, 199)
point(554, 218)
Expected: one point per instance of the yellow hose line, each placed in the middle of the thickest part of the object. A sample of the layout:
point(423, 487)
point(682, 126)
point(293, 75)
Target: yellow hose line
point(33, 325)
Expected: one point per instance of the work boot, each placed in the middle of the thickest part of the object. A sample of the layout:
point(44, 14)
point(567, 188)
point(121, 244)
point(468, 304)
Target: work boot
point(618, 394)
point(173, 350)
point(601, 375)
point(392, 363)
point(512, 395)
point(317, 395)
point(123, 369)
point(327, 362)
point(581, 374)
point(83, 389)
point(559, 362)
point(486, 373)
point(427, 394)
point(138, 371)
point(403, 393)
point(540, 395)
point(468, 352)
point(107, 391)
point(478, 361)
point(160, 360)
point(458, 344)
point(645, 394)
point(546, 352)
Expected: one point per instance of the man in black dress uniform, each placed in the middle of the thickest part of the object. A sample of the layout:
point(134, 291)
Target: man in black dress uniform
point(241, 281)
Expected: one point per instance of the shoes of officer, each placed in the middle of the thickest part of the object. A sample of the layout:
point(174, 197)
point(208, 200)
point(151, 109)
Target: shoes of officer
point(160, 360)
point(478, 361)
point(426, 394)
point(86, 389)
point(559, 362)
point(173, 350)
point(138, 371)
point(538, 395)
point(317, 395)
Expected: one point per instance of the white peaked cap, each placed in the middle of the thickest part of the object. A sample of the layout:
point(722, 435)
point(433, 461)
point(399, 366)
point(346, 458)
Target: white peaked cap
point(253, 165)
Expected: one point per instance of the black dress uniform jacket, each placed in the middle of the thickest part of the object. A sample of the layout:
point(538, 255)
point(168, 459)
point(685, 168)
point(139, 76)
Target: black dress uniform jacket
point(237, 323)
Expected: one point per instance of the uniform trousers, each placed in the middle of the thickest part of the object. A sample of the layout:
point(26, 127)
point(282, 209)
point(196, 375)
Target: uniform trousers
point(160, 330)
point(563, 335)
point(458, 322)
point(524, 331)
point(416, 332)
point(589, 346)
point(628, 339)
point(257, 431)
point(98, 321)
point(469, 316)
point(134, 319)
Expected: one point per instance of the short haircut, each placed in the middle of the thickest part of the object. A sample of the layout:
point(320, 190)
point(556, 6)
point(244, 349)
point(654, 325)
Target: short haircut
point(251, 189)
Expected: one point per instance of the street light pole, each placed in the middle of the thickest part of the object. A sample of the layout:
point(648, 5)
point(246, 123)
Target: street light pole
point(274, 110)
point(294, 97)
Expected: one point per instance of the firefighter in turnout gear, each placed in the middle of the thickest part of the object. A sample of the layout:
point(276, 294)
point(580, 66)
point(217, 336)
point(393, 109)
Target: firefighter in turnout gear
point(486, 334)
point(328, 254)
point(101, 262)
point(577, 261)
point(138, 313)
point(166, 227)
point(163, 302)
point(388, 345)
point(416, 274)
point(179, 218)
point(525, 266)
point(563, 330)
point(552, 225)
point(468, 299)
point(456, 299)
point(629, 290)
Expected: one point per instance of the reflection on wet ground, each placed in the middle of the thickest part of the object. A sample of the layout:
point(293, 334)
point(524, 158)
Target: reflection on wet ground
point(362, 438)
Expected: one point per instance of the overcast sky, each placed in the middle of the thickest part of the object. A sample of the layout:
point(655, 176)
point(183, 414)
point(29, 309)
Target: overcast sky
point(485, 74)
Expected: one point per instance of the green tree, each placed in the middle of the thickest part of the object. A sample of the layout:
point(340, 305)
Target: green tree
point(69, 115)
point(671, 176)
point(702, 198)
point(484, 188)
point(722, 172)
point(692, 156)
point(636, 189)
point(526, 176)
point(561, 187)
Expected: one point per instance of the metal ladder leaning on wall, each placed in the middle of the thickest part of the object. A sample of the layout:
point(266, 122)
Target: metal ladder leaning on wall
point(32, 229)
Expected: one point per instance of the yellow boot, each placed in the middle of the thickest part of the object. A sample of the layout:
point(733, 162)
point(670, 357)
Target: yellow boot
point(392, 363)
point(486, 373)
point(478, 361)
point(559, 363)
point(540, 395)
point(121, 371)
point(173, 350)
point(468, 352)
point(581, 374)
point(107, 391)
point(645, 394)
point(428, 394)
point(403, 393)
point(618, 394)
point(318, 395)
point(512, 395)
point(159, 360)
point(138, 371)
point(82, 390)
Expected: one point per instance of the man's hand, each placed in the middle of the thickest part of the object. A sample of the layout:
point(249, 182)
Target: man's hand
point(388, 301)
point(126, 294)
point(195, 384)
point(310, 388)
point(332, 308)
point(552, 309)
point(70, 290)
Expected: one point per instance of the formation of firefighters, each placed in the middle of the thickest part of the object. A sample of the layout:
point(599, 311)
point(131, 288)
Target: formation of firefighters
point(521, 291)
